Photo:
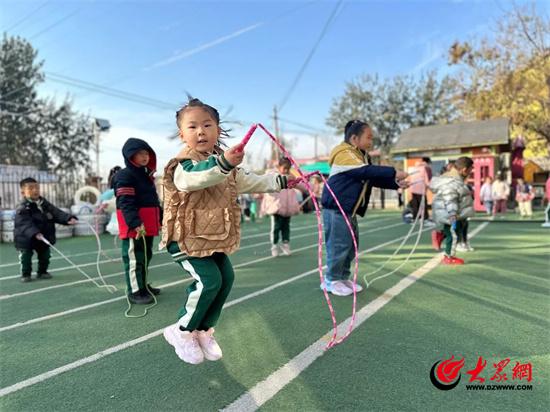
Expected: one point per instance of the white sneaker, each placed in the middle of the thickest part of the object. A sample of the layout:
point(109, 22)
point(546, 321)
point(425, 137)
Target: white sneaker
point(349, 284)
point(546, 224)
point(274, 250)
point(464, 247)
point(209, 346)
point(461, 247)
point(185, 343)
point(337, 287)
point(285, 248)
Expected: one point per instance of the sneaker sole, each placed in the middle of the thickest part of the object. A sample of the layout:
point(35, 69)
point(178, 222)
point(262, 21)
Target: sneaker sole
point(341, 294)
point(337, 293)
point(171, 339)
point(210, 357)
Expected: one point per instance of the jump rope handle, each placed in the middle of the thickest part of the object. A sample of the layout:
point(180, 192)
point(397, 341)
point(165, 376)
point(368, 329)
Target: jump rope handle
point(41, 237)
point(247, 137)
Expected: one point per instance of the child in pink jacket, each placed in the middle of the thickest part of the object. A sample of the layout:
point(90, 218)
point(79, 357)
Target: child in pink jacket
point(281, 206)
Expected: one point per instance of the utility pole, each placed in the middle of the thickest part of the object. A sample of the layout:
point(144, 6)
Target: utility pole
point(96, 132)
point(98, 126)
point(274, 149)
point(316, 141)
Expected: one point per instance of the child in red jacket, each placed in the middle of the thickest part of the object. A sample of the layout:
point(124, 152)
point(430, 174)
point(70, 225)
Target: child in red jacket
point(139, 217)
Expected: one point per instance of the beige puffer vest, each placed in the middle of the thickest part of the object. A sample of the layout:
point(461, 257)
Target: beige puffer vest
point(203, 221)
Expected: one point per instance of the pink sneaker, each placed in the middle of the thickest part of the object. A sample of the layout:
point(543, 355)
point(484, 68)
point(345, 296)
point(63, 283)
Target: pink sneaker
point(185, 343)
point(209, 346)
point(285, 248)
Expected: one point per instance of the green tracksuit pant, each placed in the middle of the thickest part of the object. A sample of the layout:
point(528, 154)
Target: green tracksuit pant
point(25, 257)
point(213, 278)
point(280, 224)
point(449, 249)
point(136, 256)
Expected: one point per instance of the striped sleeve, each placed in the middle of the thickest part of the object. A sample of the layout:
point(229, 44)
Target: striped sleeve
point(248, 182)
point(191, 175)
point(125, 191)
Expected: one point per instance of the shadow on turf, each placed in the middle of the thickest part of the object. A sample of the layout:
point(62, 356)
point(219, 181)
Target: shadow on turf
point(543, 323)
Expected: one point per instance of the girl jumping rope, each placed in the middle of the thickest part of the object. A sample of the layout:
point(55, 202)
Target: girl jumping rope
point(201, 225)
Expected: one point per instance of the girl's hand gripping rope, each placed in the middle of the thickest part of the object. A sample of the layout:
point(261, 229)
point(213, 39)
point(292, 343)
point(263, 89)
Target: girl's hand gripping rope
point(293, 182)
point(234, 155)
point(399, 175)
point(400, 179)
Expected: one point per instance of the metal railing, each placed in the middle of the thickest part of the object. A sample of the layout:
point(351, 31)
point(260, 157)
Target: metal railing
point(58, 193)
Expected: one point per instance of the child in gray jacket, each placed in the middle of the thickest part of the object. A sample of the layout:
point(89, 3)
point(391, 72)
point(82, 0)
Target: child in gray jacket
point(452, 205)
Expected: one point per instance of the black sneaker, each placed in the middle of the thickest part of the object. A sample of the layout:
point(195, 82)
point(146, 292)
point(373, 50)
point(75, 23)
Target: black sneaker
point(154, 291)
point(44, 275)
point(25, 279)
point(140, 298)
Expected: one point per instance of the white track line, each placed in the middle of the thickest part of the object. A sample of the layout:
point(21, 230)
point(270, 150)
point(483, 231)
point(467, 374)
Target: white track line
point(89, 359)
point(78, 282)
point(298, 228)
point(104, 302)
point(274, 383)
point(118, 259)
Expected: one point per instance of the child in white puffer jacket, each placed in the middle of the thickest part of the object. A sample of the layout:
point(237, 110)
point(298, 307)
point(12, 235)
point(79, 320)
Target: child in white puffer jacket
point(452, 205)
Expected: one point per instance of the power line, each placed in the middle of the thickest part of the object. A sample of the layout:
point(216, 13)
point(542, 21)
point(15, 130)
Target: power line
point(57, 23)
point(310, 55)
point(71, 81)
point(32, 13)
point(304, 126)
point(126, 77)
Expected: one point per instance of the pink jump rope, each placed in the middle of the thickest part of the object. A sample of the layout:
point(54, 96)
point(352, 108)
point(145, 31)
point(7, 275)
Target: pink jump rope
point(304, 178)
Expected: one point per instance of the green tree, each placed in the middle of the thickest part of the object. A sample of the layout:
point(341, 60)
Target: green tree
point(393, 105)
point(508, 75)
point(35, 131)
point(20, 73)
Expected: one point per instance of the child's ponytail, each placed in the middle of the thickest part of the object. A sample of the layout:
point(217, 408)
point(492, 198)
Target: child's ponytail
point(354, 127)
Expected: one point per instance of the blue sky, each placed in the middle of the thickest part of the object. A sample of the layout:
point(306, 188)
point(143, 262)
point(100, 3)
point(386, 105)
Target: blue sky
point(241, 57)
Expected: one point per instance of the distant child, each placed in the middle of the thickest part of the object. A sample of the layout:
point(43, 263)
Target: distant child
point(547, 198)
point(35, 219)
point(281, 207)
point(452, 204)
point(352, 177)
point(108, 202)
point(500, 191)
point(524, 196)
point(139, 216)
point(201, 224)
point(486, 195)
point(421, 181)
point(317, 186)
